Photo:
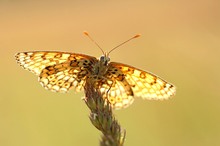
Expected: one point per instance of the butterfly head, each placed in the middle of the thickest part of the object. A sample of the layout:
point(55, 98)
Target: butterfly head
point(104, 59)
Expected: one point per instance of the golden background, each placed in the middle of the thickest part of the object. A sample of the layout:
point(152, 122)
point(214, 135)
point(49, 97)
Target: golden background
point(180, 42)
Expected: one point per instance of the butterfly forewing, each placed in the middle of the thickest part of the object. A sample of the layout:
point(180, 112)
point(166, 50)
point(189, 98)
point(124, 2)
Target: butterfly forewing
point(144, 84)
point(57, 71)
point(123, 82)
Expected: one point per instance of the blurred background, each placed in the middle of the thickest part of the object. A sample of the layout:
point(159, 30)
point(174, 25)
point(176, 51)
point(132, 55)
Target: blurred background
point(180, 42)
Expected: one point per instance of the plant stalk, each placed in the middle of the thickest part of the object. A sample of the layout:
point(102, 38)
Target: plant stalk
point(102, 117)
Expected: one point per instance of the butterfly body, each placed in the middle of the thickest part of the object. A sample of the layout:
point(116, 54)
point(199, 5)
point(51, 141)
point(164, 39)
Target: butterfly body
point(119, 83)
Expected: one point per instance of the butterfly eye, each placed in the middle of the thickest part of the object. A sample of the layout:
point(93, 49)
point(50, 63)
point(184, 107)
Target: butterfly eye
point(102, 58)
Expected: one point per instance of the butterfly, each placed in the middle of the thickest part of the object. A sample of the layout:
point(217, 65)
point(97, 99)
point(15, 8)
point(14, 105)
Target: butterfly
point(119, 83)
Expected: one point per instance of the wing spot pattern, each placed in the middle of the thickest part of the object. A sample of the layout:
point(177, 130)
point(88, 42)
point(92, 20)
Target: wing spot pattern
point(59, 71)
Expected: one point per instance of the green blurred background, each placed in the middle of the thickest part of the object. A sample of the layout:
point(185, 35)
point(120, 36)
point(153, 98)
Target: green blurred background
point(180, 42)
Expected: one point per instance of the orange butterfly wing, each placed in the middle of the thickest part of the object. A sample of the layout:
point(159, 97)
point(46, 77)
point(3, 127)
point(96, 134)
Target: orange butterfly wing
point(128, 82)
point(57, 71)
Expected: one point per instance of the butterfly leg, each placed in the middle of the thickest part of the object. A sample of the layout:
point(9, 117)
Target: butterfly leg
point(113, 82)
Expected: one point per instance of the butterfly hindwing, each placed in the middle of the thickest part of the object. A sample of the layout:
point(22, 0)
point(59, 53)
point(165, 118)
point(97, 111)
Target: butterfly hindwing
point(117, 93)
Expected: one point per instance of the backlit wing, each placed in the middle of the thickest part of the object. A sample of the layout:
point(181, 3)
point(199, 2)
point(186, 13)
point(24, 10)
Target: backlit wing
point(117, 94)
point(128, 81)
point(57, 71)
point(145, 84)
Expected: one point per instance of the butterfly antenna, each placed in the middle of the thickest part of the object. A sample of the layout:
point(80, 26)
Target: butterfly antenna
point(136, 36)
point(87, 34)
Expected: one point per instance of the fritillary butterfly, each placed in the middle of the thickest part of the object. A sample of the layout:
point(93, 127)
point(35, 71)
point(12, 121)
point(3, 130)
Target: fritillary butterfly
point(119, 83)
